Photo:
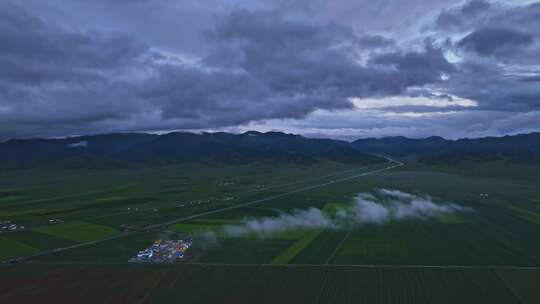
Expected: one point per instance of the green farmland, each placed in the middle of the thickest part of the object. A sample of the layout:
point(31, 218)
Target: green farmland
point(264, 284)
point(462, 255)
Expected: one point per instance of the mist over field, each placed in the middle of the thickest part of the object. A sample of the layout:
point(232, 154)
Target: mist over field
point(381, 206)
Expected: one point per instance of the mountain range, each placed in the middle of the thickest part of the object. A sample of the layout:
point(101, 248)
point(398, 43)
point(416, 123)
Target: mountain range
point(177, 147)
point(518, 148)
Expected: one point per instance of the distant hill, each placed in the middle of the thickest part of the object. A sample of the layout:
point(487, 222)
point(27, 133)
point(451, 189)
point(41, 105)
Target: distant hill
point(176, 147)
point(519, 148)
point(133, 149)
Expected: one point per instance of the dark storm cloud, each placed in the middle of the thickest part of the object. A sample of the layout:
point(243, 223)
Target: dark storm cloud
point(498, 51)
point(465, 16)
point(494, 49)
point(493, 89)
point(53, 77)
point(72, 67)
point(488, 29)
point(417, 68)
point(534, 78)
point(375, 41)
point(301, 58)
point(261, 65)
point(28, 38)
point(491, 41)
point(510, 34)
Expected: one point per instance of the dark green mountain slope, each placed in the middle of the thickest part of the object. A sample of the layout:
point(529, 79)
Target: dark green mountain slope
point(141, 148)
point(520, 148)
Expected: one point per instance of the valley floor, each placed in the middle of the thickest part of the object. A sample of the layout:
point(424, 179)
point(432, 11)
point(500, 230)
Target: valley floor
point(492, 252)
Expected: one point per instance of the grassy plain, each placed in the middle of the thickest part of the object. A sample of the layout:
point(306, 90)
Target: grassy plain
point(501, 231)
point(63, 207)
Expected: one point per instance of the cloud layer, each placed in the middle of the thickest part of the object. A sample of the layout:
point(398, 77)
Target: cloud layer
point(367, 208)
point(75, 67)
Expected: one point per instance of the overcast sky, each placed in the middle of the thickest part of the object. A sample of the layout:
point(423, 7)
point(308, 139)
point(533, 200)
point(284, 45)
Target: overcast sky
point(342, 68)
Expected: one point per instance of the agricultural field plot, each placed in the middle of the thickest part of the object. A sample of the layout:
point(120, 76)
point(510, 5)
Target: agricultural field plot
point(245, 251)
point(372, 250)
point(116, 283)
point(11, 248)
point(79, 231)
point(298, 246)
point(110, 251)
point(40, 240)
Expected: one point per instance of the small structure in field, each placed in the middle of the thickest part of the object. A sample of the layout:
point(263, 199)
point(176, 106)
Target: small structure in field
point(164, 251)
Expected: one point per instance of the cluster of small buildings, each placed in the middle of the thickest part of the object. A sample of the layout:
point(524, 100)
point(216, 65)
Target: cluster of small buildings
point(164, 251)
point(195, 202)
point(8, 226)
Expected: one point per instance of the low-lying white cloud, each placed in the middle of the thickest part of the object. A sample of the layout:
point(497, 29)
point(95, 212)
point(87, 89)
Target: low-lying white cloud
point(404, 205)
point(311, 218)
point(81, 144)
point(377, 208)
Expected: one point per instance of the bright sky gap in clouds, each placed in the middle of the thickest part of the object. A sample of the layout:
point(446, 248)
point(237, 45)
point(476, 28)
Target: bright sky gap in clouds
point(398, 101)
point(342, 69)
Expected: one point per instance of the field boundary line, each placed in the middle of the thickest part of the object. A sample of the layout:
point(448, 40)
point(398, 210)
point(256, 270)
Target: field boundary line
point(367, 266)
point(338, 247)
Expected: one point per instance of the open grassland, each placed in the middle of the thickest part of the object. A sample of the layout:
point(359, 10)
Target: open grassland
point(113, 283)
